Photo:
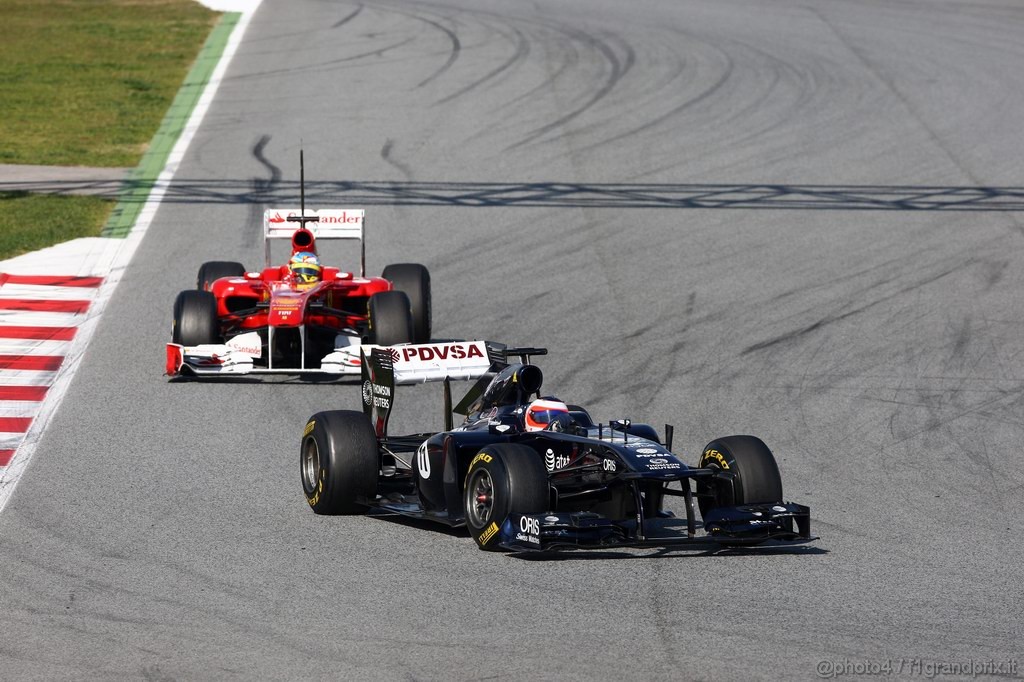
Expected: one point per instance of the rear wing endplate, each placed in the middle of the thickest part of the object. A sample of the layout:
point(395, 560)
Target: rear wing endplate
point(384, 367)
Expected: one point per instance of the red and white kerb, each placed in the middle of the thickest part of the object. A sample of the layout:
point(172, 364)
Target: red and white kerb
point(39, 317)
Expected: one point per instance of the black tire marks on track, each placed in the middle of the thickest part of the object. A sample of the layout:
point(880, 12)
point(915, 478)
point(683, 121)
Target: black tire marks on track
point(262, 190)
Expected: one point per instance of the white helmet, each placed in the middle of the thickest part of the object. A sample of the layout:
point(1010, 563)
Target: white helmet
point(541, 411)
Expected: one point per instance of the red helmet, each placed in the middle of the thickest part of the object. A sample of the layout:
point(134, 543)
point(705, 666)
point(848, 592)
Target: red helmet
point(541, 411)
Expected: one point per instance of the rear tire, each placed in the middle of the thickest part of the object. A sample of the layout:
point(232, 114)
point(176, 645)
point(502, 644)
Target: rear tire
point(754, 473)
point(338, 461)
point(502, 479)
point(414, 280)
point(195, 319)
point(390, 318)
point(213, 270)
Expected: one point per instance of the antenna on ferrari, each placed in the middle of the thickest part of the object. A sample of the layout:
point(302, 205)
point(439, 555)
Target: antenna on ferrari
point(302, 218)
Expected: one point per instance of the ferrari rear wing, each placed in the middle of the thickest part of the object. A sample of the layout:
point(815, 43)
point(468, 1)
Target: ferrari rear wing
point(327, 223)
point(384, 367)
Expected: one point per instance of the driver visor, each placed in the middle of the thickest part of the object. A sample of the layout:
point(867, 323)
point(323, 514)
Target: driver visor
point(306, 272)
point(545, 416)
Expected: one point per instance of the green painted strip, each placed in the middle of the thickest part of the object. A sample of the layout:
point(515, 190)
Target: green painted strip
point(143, 177)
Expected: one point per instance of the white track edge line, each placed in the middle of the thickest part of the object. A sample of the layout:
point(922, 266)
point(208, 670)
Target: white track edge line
point(10, 475)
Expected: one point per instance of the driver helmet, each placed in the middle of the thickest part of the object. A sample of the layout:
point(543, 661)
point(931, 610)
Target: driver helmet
point(541, 411)
point(305, 269)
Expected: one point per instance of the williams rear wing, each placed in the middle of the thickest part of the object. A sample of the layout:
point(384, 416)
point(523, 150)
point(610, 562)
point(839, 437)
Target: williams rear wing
point(384, 367)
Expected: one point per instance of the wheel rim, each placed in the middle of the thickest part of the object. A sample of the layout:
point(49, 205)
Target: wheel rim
point(310, 465)
point(480, 502)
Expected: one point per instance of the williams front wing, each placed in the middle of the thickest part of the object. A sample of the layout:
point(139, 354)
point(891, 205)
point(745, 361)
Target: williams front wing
point(783, 523)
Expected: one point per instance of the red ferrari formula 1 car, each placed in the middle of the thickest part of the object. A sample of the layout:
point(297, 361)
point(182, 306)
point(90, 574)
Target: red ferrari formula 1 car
point(300, 317)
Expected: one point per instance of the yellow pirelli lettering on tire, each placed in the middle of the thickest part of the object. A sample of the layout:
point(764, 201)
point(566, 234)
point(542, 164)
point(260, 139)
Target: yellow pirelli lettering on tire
point(481, 457)
point(714, 455)
point(491, 531)
point(309, 428)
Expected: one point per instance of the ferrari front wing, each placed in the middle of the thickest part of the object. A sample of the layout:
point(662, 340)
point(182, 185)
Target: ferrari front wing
point(207, 360)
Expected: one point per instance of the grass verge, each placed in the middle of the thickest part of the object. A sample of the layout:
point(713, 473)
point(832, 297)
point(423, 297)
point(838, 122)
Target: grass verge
point(34, 221)
point(87, 82)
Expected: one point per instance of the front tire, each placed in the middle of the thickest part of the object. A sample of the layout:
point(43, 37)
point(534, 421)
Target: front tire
point(752, 469)
point(195, 319)
point(213, 270)
point(390, 318)
point(502, 479)
point(413, 279)
point(339, 462)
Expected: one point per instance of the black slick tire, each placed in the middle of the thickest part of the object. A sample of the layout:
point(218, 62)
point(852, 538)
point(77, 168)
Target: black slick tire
point(750, 465)
point(390, 318)
point(195, 319)
point(338, 462)
point(502, 479)
point(213, 270)
point(414, 280)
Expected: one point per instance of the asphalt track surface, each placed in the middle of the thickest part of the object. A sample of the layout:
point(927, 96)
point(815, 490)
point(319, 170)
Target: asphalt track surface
point(795, 219)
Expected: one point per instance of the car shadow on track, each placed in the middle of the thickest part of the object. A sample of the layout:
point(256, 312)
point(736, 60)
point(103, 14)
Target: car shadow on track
point(668, 553)
point(420, 524)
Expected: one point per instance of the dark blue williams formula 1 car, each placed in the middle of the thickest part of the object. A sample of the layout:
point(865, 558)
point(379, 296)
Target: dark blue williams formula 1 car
point(526, 473)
